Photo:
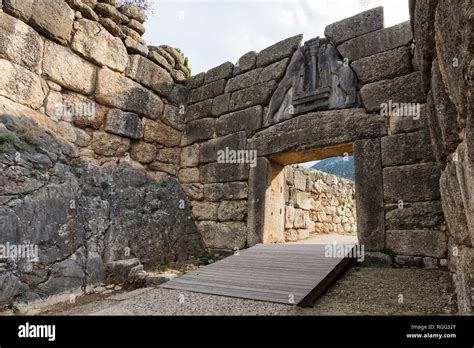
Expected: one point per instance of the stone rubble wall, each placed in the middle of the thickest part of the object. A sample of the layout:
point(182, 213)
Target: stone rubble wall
point(444, 51)
point(317, 202)
point(90, 132)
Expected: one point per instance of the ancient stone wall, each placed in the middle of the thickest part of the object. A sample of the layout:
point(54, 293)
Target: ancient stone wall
point(108, 152)
point(89, 146)
point(317, 202)
point(444, 50)
point(225, 109)
point(249, 107)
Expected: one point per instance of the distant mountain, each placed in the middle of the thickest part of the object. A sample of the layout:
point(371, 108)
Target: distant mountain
point(340, 166)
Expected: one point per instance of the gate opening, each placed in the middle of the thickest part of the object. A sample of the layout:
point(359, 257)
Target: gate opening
point(312, 202)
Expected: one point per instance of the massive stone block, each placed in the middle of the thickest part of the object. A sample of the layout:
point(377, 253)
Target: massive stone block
point(232, 210)
point(157, 131)
point(453, 37)
point(274, 71)
point(257, 94)
point(109, 144)
point(209, 151)
point(411, 183)
point(207, 91)
point(246, 63)
point(248, 120)
point(143, 152)
point(120, 92)
point(369, 193)
point(221, 235)
point(20, 85)
point(403, 89)
point(377, 41)
point(62, 66)
point(53, 19)
point(453, 187)
point(229, 190)
point(424, 35)
point(223, 172)
point(442, 117)
point(318, 129)
point(407, 148)
point(362, 23)
point(417, 242)
point(220, 104)
point(103, 49)
point(147, 73)
point(260, 178)
point(243, 80)
point(109, 11)
point(404, 124)
point(198, 110)
point(223, 71)
point(202, 129)
point(173, 117)
point(383, 66)
point(278, 51)
point(127, 124)
point(22, 9)
point(19, 43)
point(414, 215)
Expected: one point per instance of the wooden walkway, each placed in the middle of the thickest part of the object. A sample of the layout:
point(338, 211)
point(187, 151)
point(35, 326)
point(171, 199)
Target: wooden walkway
point(282, 273)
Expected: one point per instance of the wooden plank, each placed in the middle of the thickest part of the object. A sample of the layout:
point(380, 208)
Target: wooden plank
point(267, 272)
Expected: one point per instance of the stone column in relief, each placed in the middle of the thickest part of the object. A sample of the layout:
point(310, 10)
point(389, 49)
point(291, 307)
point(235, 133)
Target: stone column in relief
point(369, 194)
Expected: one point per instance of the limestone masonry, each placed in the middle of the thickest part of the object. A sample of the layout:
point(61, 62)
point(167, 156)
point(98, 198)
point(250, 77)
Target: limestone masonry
point(109, 149)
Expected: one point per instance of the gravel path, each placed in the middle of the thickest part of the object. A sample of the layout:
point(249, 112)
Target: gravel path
point(364, 291)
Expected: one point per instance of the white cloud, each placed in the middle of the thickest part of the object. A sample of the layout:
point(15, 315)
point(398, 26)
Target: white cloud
point(214, 31)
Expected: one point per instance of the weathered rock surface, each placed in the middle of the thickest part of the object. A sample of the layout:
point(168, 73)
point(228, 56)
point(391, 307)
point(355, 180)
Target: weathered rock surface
point(369, 197)
point(383, 66)
point(248, 120)
point(120, 92)
point(318, 129)
point(402, 183)
point(414, 215)
point(25, 48)
point(95, 214)
point(407, 148)
point(62, 66)
point(20, 85)
point(403, 89)
point(377, 41)
point(105, 49)
point(280, 50)
point(361, 23)
point(202, 129)
point(127, 124)
point(417, 242)
point(228, 235)
point(53, 19)
point(157, 131)
point(442, 115)
point(223, 71)
point(147, 73)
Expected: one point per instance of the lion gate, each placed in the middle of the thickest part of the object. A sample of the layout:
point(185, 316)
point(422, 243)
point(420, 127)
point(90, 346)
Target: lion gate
point(356, 92)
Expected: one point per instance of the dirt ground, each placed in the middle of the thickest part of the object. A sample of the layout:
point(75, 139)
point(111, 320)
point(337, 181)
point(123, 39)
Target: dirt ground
point(359, 291)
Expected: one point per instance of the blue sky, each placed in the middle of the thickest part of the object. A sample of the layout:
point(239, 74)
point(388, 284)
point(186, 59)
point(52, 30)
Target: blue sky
point(211, 32)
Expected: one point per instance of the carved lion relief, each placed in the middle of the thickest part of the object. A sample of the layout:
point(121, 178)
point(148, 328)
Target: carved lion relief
point(317, 78)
